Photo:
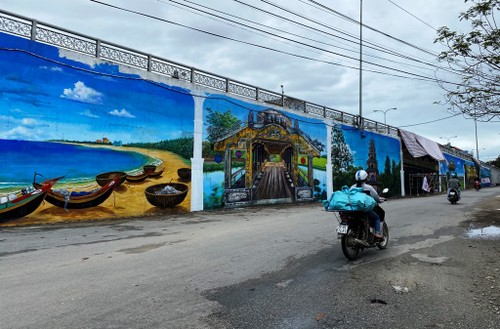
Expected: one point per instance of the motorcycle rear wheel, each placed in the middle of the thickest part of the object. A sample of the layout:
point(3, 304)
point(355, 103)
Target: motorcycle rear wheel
point(349, 247)
point(385, 232)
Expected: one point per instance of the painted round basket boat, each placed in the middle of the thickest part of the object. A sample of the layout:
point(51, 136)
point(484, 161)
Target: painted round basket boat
point(147, 168)
point(105, 178)
point(184, 173)
point(155, 196)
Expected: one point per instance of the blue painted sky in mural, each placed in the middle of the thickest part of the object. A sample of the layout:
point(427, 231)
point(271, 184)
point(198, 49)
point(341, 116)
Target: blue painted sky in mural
point(64, 99)
point(359, 143)
point(385, 146)
point(459, 164)
point(314, 128)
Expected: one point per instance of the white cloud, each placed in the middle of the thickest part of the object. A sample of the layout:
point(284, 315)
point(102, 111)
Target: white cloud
point(51, 68)
point(88, 113)
point(122, 113)
point(21, 133)
point(82, 93)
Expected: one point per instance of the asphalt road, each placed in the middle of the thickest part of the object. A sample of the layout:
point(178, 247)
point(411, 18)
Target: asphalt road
point(268, 267)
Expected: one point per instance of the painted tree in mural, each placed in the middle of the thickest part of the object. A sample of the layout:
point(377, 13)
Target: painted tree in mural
point(220, 124)
point(385, 179)
point(341, 157)
point(390, 177)
point(396, 176)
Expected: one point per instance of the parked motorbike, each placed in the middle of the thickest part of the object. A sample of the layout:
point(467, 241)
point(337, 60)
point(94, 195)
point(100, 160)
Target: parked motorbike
point(357, 232)
point(453, 196)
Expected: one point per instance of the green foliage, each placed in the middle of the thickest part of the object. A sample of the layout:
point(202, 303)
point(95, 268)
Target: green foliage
point(345, 177)
point(179, 146)
point(495, 162)
point(341, 155)
point(212, 166)
point(220, 124)
point(475, 56)
point(319, 163)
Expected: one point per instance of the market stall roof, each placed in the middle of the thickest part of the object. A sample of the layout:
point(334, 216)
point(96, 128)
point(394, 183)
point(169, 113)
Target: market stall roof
point(419, 146)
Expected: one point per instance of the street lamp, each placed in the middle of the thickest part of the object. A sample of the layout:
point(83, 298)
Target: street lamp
point(448, 138)
point(385, 113)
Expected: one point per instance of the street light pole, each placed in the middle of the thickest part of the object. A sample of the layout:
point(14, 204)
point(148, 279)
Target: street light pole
point(448, 138)
point(385, 113)
point(361, 63)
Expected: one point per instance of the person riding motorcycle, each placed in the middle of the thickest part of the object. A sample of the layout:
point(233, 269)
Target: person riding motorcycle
point(454, 183)
point(360, 178)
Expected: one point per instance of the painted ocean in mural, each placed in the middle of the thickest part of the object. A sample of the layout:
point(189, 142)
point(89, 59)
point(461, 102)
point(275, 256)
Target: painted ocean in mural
point(77, 163)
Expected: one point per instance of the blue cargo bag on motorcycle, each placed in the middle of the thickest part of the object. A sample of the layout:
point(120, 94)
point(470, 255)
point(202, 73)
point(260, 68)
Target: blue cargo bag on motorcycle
point(350, 200)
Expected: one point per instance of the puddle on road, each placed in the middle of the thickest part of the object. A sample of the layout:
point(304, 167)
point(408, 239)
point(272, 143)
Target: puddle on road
point(489, 232)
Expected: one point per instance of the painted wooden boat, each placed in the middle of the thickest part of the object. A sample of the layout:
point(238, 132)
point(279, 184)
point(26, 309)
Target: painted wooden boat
point(80, 200)
point(142, 176)
point(105, 178)
point(184, 173)
point(157, 173)
point(156, 196)
point(157, 170)
point(25, 202)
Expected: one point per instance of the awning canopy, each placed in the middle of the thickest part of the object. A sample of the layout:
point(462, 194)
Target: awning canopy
point(419, 146)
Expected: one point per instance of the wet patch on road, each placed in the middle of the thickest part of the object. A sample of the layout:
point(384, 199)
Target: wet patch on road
point(489, 232)
point(484, 222)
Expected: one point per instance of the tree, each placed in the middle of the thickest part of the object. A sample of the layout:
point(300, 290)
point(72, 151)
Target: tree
point(475, 57)
point(341, 155)
point(220, 124)
point(495, 162)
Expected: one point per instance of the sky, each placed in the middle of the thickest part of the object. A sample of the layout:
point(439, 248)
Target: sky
point(307, 49)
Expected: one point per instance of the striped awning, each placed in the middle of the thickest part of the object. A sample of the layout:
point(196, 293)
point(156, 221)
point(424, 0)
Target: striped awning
point(419, 146)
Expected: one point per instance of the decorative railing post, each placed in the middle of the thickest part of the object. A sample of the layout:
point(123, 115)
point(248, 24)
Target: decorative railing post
point(98, 48)
point(33, 30)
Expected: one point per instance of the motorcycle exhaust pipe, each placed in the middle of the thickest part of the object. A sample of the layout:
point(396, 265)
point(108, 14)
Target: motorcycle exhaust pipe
point(361, 242)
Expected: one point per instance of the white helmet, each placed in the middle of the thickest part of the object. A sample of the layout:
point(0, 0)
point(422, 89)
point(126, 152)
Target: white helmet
point(361, 175)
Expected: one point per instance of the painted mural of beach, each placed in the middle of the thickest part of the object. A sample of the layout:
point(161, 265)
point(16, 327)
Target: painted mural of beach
point(128, 200)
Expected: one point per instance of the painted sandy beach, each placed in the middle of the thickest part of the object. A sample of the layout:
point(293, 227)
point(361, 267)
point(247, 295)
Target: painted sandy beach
point(128, 200)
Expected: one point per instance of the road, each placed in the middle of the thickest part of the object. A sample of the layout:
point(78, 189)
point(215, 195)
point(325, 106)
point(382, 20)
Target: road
point(266, 267)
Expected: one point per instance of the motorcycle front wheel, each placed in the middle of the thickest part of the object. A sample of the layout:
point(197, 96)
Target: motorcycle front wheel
point(349, 246)
point(385, 233)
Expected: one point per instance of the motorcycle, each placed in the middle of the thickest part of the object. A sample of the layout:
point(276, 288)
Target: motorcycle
point(453, 196)
point(357, 232)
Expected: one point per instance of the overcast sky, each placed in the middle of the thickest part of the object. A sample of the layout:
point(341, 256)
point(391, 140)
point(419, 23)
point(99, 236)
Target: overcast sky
point(315, 59)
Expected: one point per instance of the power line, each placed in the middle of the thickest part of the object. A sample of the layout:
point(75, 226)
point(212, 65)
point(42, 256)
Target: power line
point(414, 16)
point(328, 9)
point(432, 121)
point(415, 76)
point(278, 36)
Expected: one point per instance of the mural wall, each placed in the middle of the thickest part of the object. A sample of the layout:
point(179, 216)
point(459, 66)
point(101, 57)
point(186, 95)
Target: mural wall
point(256, 155)
point(85, 139)
point(379, 155)
point(465, 170)
point(87, 135)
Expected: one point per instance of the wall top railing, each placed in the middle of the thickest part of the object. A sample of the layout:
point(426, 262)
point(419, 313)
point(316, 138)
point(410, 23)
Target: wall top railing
point(49, 34)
